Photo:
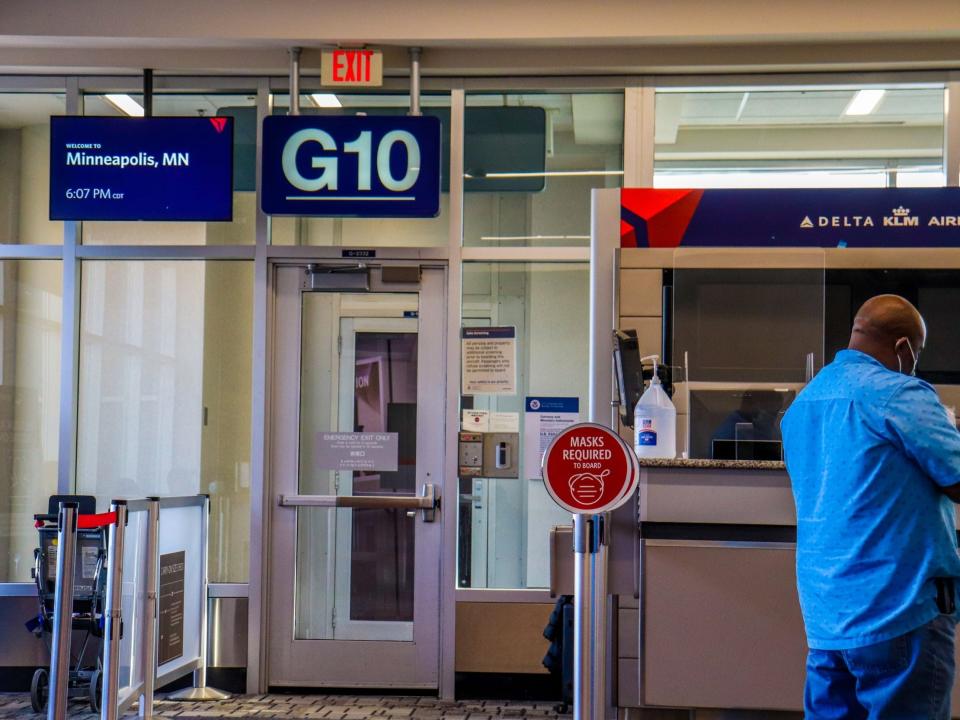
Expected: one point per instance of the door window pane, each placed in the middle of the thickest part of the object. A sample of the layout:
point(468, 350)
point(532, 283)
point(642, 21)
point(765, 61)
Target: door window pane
point(530, 161)
point(242, 229)
point(799, 137)
point(370, 232)
point(355, 567)
point(504, 524)
point(31, 307)
point(25, 168)
point(165, 391)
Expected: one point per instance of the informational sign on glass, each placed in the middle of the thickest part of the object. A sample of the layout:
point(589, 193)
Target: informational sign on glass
point(489, 360)
point(170, 607)
point(357, 451)
point(544, 417)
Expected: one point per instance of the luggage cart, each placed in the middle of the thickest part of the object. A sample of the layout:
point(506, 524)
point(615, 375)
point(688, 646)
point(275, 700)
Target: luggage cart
point(89, 592)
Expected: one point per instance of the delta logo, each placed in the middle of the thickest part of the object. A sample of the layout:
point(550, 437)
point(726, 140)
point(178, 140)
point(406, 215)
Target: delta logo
point(219, 123)
point(899, 217)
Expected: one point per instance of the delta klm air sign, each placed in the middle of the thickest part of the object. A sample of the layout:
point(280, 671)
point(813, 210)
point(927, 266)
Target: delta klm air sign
point(914, 217)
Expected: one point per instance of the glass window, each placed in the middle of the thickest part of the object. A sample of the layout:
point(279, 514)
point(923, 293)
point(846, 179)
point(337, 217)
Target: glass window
point(242, 230)
point(165, 383)
point(746, 331)
point(25, 168)
point(370, 232)
point(530, 162)
point(812, 137)
point(505, 523)
point(31, 310)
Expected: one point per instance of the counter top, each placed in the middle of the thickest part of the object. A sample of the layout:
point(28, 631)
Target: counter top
point(712, 464)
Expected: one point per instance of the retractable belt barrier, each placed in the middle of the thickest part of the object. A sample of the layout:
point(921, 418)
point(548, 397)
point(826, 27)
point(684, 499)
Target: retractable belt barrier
point(69, 521)
point(155, 614)
point(63, 611)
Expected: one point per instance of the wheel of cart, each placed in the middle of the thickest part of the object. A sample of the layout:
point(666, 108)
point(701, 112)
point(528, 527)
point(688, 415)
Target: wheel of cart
point(89, 587)
point(95, 690)
point(39, 690)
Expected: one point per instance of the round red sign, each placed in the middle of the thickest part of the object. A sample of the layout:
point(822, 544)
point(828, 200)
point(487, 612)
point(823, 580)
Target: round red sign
point(588, 468)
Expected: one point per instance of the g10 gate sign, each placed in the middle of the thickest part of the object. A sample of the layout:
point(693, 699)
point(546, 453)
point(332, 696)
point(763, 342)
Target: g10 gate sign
point(351, 166)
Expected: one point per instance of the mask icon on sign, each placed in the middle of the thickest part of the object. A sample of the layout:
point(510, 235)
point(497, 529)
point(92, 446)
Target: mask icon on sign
point(587, 488)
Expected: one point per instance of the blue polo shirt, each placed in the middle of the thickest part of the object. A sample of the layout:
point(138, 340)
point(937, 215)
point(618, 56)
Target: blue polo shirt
point(868, 450)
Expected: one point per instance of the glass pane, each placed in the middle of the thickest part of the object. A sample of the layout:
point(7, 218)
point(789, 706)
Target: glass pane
point(25, 168)
point(242, 230)
point(369, 232)
point(164, 399)
point(799, 137)
point(505, 523)
point(745, 340)
point(358, 436)
point(530, 162)
point(31, 309)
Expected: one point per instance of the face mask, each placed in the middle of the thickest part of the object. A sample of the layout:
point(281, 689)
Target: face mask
point(913, 369)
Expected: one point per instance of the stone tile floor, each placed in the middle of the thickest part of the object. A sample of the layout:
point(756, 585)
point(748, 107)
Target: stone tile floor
point(328, 707)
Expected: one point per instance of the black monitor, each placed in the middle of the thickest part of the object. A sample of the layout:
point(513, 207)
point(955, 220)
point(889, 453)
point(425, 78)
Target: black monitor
point(629, 372)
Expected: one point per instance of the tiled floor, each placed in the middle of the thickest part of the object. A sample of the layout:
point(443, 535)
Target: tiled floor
point(329, 707)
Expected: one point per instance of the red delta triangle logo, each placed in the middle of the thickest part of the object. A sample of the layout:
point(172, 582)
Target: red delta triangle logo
point(219, 123)
point(656, 218)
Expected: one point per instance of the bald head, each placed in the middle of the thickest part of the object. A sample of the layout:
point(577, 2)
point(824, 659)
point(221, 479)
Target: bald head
point(890, 329)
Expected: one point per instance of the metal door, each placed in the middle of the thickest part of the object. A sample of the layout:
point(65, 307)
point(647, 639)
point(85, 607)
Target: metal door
point(356, 466)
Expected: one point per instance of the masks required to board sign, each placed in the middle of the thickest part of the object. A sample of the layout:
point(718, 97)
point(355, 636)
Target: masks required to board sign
point(351, 166)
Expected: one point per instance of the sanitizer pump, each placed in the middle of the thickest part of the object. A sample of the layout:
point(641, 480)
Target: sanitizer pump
point(655, 420)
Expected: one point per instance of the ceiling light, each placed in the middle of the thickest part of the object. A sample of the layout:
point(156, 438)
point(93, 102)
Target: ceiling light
point(548, 173)
point(519, 238)
point(125, 104)
point(864, 102)
point(325, 100)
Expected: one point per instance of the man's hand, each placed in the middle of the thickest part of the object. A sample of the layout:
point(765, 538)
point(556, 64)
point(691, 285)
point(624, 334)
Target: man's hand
point(952, 492)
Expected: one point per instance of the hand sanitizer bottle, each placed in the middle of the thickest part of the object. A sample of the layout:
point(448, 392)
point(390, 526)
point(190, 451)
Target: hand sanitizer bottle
point(655, 421)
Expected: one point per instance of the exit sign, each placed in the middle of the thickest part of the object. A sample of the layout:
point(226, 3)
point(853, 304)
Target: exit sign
point(351, 68)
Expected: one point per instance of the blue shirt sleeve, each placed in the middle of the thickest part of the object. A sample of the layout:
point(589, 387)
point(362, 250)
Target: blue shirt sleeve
point(918, 423)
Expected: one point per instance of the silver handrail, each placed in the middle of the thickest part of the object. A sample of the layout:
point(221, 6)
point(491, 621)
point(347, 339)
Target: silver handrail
point(63, 611)
point(428, 502)
point(113, 613)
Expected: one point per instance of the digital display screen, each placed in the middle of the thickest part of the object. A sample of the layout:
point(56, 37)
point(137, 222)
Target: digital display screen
point(158, 168)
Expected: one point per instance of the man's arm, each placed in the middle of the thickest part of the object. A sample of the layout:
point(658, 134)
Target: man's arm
point(919, 423)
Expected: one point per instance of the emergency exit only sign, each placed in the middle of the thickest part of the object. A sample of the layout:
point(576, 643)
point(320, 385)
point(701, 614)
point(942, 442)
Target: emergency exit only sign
point(351, 68)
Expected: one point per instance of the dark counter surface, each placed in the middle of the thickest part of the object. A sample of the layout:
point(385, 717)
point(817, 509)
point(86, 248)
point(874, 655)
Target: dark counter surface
point(711, 464)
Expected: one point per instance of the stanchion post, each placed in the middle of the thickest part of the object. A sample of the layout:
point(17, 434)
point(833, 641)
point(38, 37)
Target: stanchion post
point(200, 690)
point(145, 708)
point(112, 613)
point(589, 617)
point(63, 611)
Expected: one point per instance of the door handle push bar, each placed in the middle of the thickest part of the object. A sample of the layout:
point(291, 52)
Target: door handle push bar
point(428, 502)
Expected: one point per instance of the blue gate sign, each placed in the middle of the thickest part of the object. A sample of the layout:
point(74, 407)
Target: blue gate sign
point(115, 168)
point(351, 166)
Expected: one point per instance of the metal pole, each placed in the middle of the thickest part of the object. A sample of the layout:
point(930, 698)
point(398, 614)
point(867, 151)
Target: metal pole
point(150, 612)
point(148, 92)
point(415, 81)
point(63, 611)
point(111, 632)
point(589, 617)
point(294, 81)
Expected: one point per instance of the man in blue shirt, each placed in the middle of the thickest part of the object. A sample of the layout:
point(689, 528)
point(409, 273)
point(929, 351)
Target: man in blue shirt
point(875, 463)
